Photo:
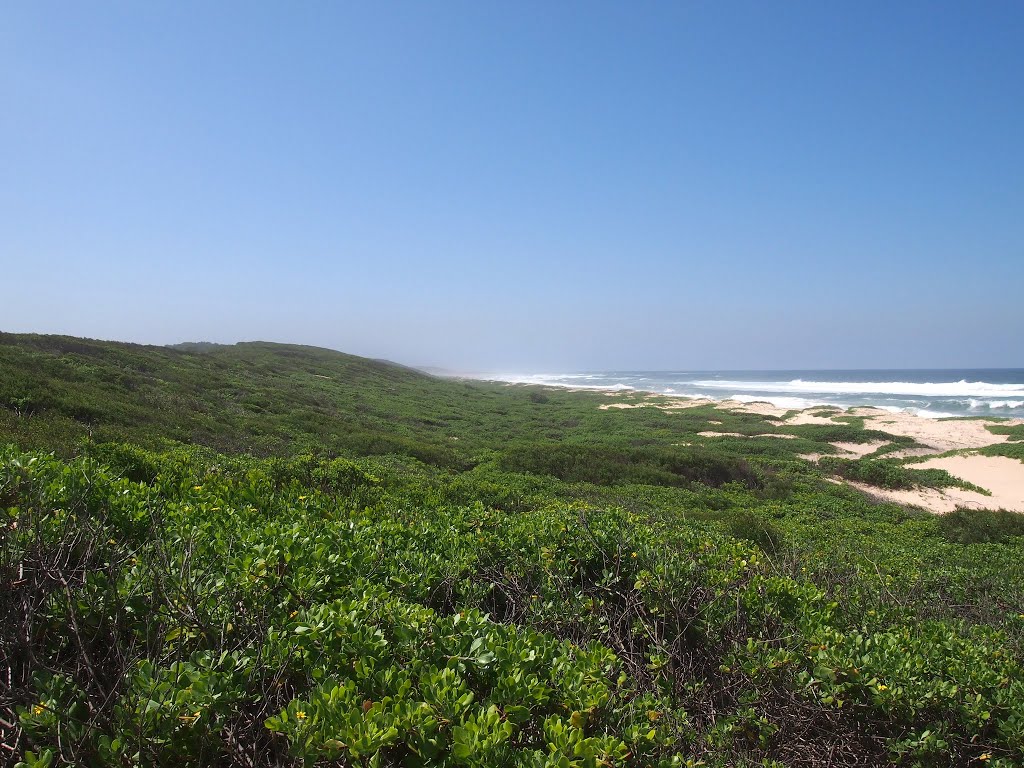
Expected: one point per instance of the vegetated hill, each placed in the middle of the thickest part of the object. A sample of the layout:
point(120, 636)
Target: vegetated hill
point(417, 571)
point(255, 397)
point(268, 399)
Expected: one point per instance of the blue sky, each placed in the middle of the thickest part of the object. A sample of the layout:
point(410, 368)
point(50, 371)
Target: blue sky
point(521, 186)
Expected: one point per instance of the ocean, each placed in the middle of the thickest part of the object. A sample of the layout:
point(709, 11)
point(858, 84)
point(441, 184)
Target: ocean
point(932, 393)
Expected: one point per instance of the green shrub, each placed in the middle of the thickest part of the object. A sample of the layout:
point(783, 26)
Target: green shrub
point(893, 474)
point(975, 526)
point(755, 529)
point(1010, 450)
point(1014, 431)
point(603, 465)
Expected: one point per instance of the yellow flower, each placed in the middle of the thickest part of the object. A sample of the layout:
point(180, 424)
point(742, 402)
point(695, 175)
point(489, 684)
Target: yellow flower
point(986, 756)
point(883, 687)
point(197, 487)
point(633, 555)
point(300, 715)
point(38, 709)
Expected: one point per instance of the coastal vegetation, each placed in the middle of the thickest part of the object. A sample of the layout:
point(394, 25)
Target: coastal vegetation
point(267, 554)
point(894, 474)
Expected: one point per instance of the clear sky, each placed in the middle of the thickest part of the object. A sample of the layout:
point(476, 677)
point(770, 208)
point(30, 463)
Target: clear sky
point(521, 185)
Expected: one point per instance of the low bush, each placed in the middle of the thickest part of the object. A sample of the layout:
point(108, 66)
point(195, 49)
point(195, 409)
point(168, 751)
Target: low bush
point(603, 465)
point(975, 526)
point(893, 474)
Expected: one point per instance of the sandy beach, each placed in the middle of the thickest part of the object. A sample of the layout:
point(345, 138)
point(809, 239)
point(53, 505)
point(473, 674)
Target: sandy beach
point(1003, 477)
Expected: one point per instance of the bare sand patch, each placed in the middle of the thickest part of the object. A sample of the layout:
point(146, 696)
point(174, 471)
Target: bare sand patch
point(940, 434)
point(846, 450)
point(937, 500)
point(759, 408)
point(664, 405)
point(738, 434)
point(1001, 475)
point(911, 453)
point(859, 449)
point(805, 417)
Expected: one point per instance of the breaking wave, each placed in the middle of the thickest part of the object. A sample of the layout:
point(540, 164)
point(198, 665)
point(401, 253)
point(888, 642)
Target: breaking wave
point(961, 395)
point(965, 389)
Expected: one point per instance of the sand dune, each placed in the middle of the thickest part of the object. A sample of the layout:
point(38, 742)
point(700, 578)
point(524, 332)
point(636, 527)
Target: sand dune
point(1002, 476)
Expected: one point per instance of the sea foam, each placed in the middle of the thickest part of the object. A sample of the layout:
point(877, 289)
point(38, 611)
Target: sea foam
point(964, 389)
point(963, 396)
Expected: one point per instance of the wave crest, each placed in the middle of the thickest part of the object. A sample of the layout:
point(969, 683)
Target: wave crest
point(964, 389)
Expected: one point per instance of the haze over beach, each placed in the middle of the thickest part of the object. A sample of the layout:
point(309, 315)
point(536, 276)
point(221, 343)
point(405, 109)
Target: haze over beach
point(523, 385)
point(534, 187)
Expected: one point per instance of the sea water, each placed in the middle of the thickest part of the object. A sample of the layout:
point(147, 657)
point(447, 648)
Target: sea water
point(934, 393)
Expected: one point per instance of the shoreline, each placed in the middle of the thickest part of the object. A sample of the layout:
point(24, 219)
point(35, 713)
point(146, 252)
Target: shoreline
point(939, 394)
point(937, 436)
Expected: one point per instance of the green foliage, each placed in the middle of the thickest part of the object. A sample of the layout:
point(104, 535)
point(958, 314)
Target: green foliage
point(1013, 431)
point(273, 602)
point(752, 527)
point(975, 526)
point(264, 554)
point(1010, 450)
point(892, 473)
point(603, 465)
point(278, 400)
point(840, 433)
